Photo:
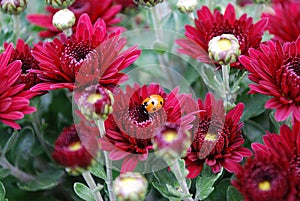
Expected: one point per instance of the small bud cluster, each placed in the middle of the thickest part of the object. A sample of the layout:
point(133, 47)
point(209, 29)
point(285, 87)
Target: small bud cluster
point(13, 7)
point(60, 3)
point(148, 3)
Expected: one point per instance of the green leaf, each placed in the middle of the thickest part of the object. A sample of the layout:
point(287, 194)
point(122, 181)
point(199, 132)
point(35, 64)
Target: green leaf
point(83, 192)
point(165, 192)
point(10, 142)
point(98, 170)
point(220, 191)
point(253, 131)
point(43, 181)
point(233, 194)
point(205, 182)
point(4, 173)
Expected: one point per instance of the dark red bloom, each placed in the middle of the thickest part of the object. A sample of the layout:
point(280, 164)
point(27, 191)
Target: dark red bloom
point(126, 3)
point(14, 101)
point(130, 128)
point(76, 146)
point(288, 14)
point(265, 177)
point(210, 25)
point(286, 145)
point(95, 9)
point(275, 70)
point(88, 57)
point(23, 53)
point(217, 139)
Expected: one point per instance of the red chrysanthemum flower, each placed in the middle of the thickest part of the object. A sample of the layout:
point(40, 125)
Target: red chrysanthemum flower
point(22, 52)
point(76, 147)
point(265, 178)
point(210, 25)
point(217, 139)
point(286, 145)
point(95, 9)
point(130, 128)
point(275, 69)
point(288, 14)
point(126, 3)
point(87, 57)
point(14, 101)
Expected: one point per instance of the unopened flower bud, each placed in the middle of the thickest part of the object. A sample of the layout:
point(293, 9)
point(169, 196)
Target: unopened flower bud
point(63, 19)
point(60, 3)
point(186, 6)
point(148, 3)
point(96, 102)
point(13, 7)
point(224, 49)
point(130, 187)
point(171, 142)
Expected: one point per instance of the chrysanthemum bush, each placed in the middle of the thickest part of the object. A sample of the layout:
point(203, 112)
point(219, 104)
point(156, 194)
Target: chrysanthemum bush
point(149, 100)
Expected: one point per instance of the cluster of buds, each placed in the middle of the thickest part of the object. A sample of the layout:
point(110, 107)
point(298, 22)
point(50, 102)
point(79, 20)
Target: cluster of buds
point(60, 3)
point(224, 49)
point(186, 6)
point(148, 3)
point(63, 19)
point(130, 187)
point(261, 1)
point(171, 142)
point(13, 7)
point(96, 102)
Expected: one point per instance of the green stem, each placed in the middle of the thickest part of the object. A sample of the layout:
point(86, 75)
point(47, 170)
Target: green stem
point(175, 168)
point(159, 37)
point(225, 75)
point(22, 176)
point(108, 163)
point(92, 185)
point(68, 31)
point(16, 19)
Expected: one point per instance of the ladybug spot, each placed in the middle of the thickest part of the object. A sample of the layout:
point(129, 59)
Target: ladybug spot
point(152, 102)
point(153, 109)
point(160, 102)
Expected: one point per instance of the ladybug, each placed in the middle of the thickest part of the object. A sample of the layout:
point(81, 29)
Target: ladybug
point(153, 103)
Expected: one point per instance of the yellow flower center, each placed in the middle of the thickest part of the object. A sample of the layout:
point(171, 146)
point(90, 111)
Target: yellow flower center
point(264, 185)
point(224, 44)
point(130, 183)
point(93, 98)
point(210, 137)
point(170, 136)
point(75, 146)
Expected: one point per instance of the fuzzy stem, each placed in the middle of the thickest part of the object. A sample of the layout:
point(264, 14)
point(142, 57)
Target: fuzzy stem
point(22, 176)
point(16, 19)
point(225, 75)
point(108, 163)
point(92, 185)
point(175, 168)
point(159, 37)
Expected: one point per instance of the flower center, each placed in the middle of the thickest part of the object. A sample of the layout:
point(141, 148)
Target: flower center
point(75, 146)
point(139, 115)
point(210, 137)
point(294, 67)
point(224, 44)
point(93, 98)
point(77, 51)
point(264, 185)
point(170, 136)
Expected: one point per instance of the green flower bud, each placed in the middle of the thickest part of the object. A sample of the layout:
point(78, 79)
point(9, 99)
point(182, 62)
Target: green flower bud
point(261, 1)
point(13, 7)
point(60, 3)
point(96, 102)
point(63, 19)
point(224, 49)
point(149, 3)
point(186, 6)
point(130, 187)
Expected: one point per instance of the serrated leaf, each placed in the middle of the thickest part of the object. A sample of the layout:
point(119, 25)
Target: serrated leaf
point(43, 181)
point(4, 173)
point(176, 192)
point(10, 143)
point(233, 194)
point(253, 131)
point(220, 191)
point(83, 192)
point(205, 182)
point(165, 192)
point(98, 170)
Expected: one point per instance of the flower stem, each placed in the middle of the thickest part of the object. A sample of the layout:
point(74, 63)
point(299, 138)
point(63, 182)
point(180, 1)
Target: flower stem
point(225, 75)
point(175, 168)
point(16, 19)
point(108, 163)
point(22, 176)
point(92, 185)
